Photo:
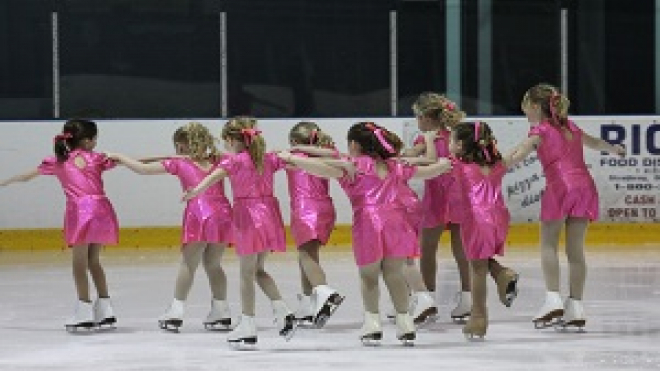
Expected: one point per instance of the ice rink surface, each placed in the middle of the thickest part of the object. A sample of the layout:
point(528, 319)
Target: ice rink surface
point(36, 296)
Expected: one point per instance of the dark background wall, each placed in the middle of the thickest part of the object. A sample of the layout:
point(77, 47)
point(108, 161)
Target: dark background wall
point(318, 58)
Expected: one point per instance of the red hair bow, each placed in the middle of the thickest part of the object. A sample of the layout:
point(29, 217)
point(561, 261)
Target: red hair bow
point(63, 136)
point(248, 134)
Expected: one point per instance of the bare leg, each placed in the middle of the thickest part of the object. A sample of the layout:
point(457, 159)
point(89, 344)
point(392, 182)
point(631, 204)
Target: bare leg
point(413, 276)
point(212, 260)
point(191, 255)
point(369, 276)
point(550, 231)
point(248, 274)
point(576, 230)
point(312, 274)
point(428, 263)
point(395, 281)
point(265, 281)
point(96, 270)
point(80, 265)
point(459, 256)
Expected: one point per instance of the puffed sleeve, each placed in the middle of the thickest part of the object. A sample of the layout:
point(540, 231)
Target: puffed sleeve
point(171, 165)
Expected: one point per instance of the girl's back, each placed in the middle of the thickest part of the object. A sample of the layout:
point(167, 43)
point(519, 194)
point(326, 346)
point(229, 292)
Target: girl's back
point(246, 181)
point(80, 174)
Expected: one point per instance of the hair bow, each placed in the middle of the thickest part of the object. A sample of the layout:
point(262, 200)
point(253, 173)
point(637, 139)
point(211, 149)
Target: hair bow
point(63, 136)
point(477, 140)
point(378, 132)
point(248, 134)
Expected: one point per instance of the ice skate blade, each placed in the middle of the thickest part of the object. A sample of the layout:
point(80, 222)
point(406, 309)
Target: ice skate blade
point(219, 325)
point(474, 337)
point(328, 309)
point(426, 316)
point(289, 328)
point(246, 343)
point(171, 325)
point(549, 320)
point(372, 339)
point(576, 325)
point(408, 339)
point(460, 320)
point(80, 327)
point(511, 291)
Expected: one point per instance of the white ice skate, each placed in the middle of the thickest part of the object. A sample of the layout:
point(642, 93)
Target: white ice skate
point(104, 315)
point(285, 320)
point(325, 301)
point(463, 307)
point(371, 332)
point(83, 318)
point(551, 311)
point(219, 318)
point(573, 315)
point(172, 320)
point(422, 308)
point(245, 333)
point(304, 311)
point(405, 329)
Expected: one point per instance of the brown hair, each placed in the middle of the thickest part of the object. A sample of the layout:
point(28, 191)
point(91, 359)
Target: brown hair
point(478, 143)
point(554, 105)
point(438, 108)
point(364, 134)
point(198, 139)
point(244, 130)
point(306, 132)
point(73, 132)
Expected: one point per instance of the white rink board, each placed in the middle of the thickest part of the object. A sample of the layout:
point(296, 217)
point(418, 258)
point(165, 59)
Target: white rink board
point(628, 188)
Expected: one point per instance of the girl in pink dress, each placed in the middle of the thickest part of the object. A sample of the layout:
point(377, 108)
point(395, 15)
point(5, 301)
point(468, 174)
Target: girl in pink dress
point(441, 208)
point(207, 222)
point(89, 222)
point(383, 235)
point(312, 220)
point(257, 221)
point(570, 198)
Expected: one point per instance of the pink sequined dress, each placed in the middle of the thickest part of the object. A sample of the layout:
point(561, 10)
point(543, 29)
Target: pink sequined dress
point(485, 219)
point(258, 225)
point(570, 189)
point(312, 212)
point(381, 224)
point(435, 205)
point(89, 216)
point(207, 217)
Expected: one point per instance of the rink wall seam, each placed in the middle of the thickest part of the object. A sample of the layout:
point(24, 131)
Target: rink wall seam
point(526, 235)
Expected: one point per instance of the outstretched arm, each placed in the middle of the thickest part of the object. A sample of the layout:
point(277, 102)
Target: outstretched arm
point(439, 167)
point(21, 178)
point(138, 166)
point(210, 179)
point(521, 151)
point(601, 145)
point(417, 150)
point(315, 151)
point(314, 166)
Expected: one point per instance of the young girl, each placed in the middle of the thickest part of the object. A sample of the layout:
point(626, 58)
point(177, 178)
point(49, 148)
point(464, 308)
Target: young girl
point(478, 171)
point(207, 227)
point(570, 198)
point(89, 221)
point(440, 209)
point(383, 236)
point(258, 226)
point(312, 220)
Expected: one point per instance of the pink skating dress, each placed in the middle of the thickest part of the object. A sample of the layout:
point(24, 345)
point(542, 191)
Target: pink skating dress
point(381, 224)
point(89, 216)
point(257, 221)
point(570, 190)
point(312, 211)
point(436, 200)
point(485, 219)
point(207, 217)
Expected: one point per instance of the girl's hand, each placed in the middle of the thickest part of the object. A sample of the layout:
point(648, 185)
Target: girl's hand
point(620, 150)
point(189, 195)
point(285, 155)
